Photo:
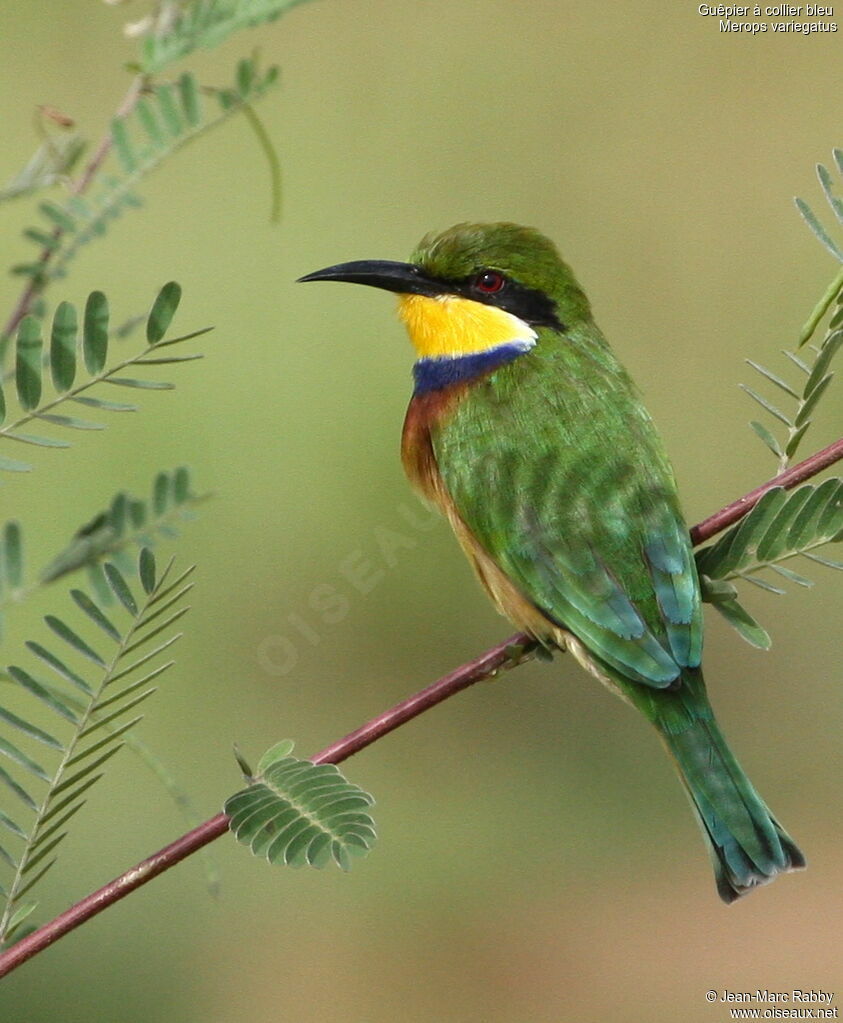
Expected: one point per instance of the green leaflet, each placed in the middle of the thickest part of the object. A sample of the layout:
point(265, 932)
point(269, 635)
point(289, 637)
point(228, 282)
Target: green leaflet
point(95, 613)
point(89, 721)
point(188, 91)
point(806, 398)
point(146, 570)
point(122, 145)
point(204, 24)
point(14, 465)
point(741, 620)
point(819, 518)
point(61, 361)
point(767, 438)
point(17, 918)
point(162, 312)
point(821, 365)
point(120, 588)
point(28, 363)
point(149, 118)
point(275, 753)
point(163, 120)
point(57, 216)
point(129, 521)
point(95, 332)
point(718, 560)
point(723, 596)
point(781, 526)
point(818, 375)
point(29, 729)
point(818, 230)
point(72, 422)
point(771, 545)
point(11, 564)
point(296, 812)
point(51, 162)
point(58, 666)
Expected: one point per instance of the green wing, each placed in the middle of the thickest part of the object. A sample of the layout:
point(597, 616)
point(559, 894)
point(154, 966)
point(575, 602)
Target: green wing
point(556, 468)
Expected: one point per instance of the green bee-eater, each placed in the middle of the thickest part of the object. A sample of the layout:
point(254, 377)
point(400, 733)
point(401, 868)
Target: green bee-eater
point(528, 434)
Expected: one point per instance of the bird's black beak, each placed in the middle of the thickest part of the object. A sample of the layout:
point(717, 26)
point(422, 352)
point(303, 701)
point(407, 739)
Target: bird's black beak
point(405, 278)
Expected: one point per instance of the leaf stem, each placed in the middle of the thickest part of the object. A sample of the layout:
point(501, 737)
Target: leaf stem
point(265, 142)
point(506, 655)
point(87, 714)
point(102, 377)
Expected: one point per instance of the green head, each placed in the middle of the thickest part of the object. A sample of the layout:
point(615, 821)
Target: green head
point(475, 287)
point(525, 258)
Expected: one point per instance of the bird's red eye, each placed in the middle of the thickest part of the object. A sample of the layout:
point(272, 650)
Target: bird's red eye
point(489, 281)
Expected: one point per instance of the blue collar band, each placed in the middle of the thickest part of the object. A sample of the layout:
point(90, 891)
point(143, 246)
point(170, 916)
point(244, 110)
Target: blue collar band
point(434, 374)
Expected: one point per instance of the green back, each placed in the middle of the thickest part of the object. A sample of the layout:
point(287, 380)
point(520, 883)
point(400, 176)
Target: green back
point(556, 468)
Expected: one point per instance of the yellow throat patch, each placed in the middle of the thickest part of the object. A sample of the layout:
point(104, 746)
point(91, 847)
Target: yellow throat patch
point(449, 326)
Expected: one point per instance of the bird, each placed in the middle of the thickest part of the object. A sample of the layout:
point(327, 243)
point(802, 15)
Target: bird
point(528, 434)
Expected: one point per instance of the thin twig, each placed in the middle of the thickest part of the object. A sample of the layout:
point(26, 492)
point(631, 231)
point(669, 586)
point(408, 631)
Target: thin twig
point(79, 187)
point(506, 655)
point(797, 474)
point(500, 658)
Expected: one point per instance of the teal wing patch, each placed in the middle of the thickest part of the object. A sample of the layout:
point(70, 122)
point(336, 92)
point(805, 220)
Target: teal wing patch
point(563, 574)
point(672, 570)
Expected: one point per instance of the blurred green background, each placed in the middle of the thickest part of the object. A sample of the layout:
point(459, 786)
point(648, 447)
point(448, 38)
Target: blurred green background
point(537, 859)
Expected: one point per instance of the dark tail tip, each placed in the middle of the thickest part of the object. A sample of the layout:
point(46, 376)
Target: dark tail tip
point(732, 885)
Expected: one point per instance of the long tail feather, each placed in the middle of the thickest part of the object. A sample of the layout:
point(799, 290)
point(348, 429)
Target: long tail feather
point(747, 844)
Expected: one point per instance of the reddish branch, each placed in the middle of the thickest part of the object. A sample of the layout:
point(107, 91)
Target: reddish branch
point(505, 655)
point(717, 522)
